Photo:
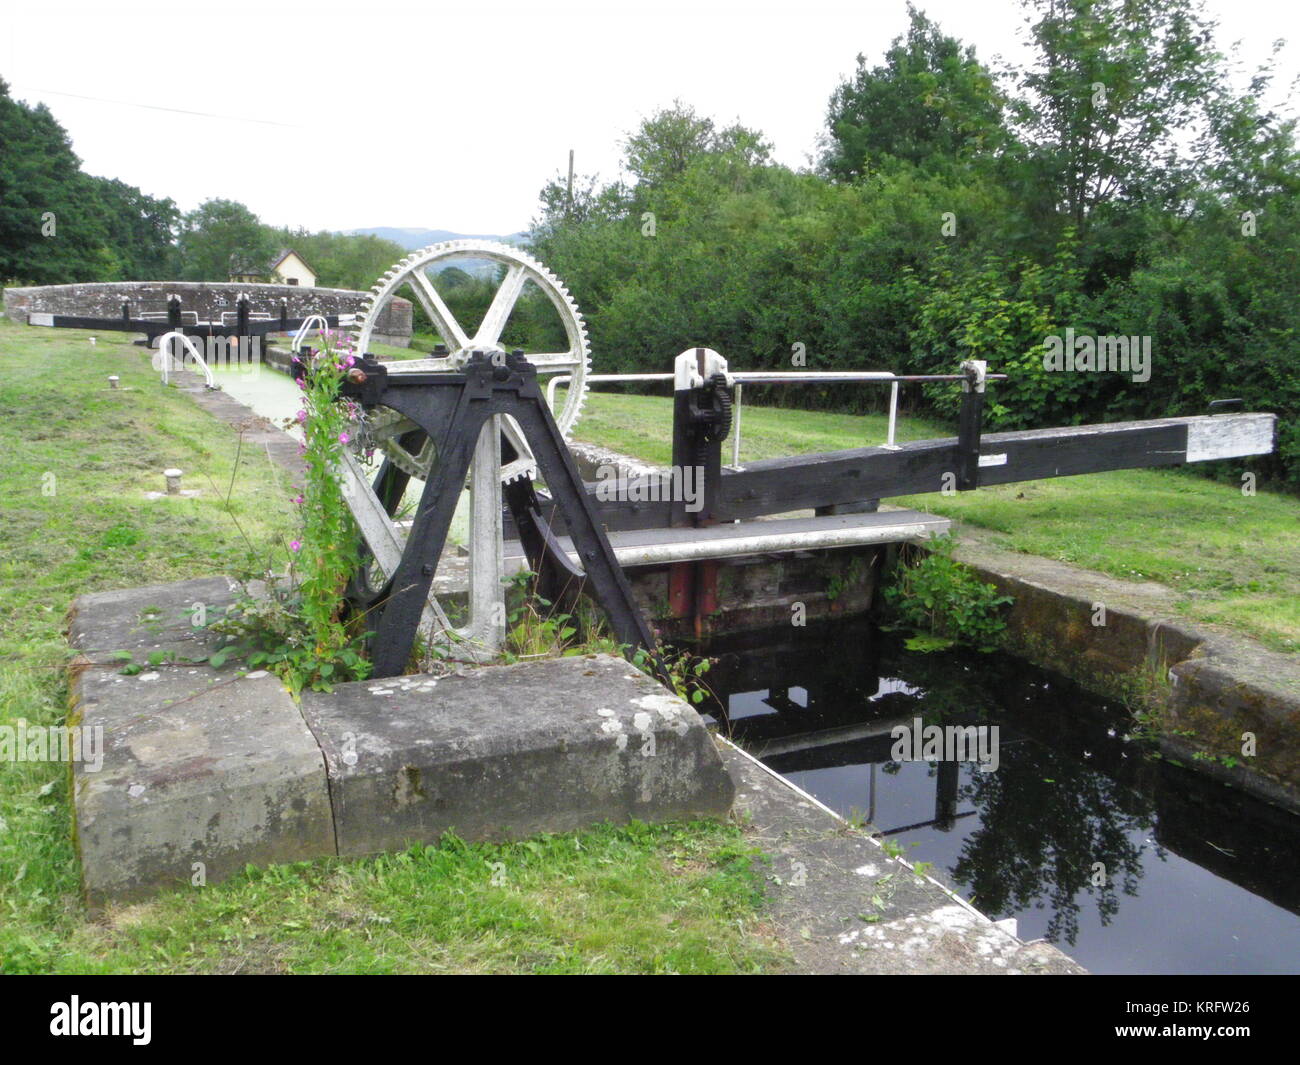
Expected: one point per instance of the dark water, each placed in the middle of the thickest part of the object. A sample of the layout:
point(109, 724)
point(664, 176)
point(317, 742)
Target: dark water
point(1200, 878)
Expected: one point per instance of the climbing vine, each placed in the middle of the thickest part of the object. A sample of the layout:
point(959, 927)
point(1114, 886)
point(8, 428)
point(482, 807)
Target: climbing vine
point(298, 629)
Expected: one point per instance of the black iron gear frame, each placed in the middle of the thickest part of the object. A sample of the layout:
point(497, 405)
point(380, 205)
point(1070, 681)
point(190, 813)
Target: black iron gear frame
point(452, 409)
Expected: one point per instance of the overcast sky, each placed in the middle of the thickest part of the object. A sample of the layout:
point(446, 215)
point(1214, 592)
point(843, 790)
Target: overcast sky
point(340, 116)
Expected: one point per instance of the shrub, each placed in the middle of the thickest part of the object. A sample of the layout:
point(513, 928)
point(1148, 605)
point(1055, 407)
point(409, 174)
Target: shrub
point(945, 602)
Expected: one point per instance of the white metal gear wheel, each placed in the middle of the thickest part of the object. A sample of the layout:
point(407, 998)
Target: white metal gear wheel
point(521, 268)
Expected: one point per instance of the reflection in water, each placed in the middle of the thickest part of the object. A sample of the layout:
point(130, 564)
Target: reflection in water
point(1125, 861)
point(1082, 818)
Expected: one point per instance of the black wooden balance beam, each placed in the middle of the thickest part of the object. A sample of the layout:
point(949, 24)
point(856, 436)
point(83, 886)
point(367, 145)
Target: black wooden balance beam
point(802, 482)
point(244, 325)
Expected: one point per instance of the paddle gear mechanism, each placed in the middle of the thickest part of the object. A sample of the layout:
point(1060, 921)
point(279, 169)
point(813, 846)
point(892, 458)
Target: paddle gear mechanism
point(452, 409)
point(414, 453)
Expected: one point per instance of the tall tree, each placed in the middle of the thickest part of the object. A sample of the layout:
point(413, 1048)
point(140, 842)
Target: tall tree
point(49, 228)
point(930, 103)
point(1115, 86)
point(219, 237)
point(670, 140)
point(140, 229)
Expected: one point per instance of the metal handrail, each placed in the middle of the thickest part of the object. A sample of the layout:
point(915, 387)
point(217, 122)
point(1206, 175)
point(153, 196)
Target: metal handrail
point(253, 316)
point(306, 327)
point(783, 377)
point(165, 350)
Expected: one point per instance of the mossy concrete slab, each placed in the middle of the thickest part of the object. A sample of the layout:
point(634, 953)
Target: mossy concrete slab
point(158, 619)
point(1241, 704)
point(207, 771)
point(506, 752)
point(203, 774)
point(845, 906)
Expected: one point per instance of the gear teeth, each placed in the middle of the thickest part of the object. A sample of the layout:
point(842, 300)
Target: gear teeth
point(561, 298)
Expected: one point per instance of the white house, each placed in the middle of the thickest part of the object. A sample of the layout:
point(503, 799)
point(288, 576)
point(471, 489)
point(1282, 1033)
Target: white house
point(286, 268)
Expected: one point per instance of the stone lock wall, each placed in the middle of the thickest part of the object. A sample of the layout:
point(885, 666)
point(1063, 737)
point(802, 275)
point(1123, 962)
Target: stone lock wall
point(208, 299)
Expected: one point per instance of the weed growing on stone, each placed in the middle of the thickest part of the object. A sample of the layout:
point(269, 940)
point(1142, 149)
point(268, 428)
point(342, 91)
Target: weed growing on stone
point(944, 602)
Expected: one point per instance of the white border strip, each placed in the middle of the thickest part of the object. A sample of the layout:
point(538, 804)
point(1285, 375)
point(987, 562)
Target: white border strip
point(1228, 436)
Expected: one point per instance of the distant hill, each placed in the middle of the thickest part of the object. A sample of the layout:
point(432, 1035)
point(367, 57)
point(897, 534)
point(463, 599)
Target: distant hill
point(412, 238)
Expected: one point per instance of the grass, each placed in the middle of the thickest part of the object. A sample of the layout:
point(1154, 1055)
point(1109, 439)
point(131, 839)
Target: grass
point(633, 899)
point(421, 348)
point(1233, 560)
point(78, 460)
point(642, 426)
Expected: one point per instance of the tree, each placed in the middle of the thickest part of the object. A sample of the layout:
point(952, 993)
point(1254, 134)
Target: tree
point(1115, 84)
point(342, 260)
point(670, 140)
point(930, 103)
point(220, 237)
point(49, 229)
point(139, 228)
point(588, 202)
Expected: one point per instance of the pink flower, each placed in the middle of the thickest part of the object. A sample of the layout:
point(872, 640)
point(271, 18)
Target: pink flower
point(344, 438)
point(302, 416)
point(298, 500)
point(295, 545)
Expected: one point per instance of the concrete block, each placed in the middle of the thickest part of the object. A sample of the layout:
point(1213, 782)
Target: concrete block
point(154, 618)
point(204, 772)
point(505, 752)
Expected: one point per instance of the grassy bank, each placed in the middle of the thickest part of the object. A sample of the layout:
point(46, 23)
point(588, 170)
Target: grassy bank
point(1233, 559)
point(78, 461)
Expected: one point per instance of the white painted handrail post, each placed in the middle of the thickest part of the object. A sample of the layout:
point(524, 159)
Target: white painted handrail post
point(306, 327)
point(893, 416)
point(552, 385)
point(735, 426)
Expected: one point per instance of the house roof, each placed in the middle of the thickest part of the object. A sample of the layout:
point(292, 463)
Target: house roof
point(240, 266)
point(284, 254)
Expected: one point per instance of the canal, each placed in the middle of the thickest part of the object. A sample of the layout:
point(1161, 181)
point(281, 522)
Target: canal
point(1125, 861)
